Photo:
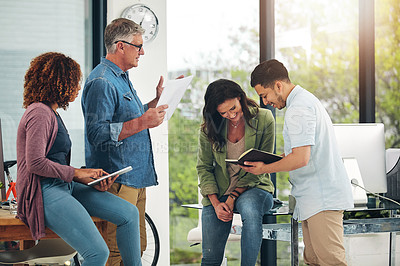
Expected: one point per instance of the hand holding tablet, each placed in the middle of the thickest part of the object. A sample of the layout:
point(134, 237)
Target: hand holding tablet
point(119, 172)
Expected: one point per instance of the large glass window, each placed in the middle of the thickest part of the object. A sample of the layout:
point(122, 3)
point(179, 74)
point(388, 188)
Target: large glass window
point(29, 28)
point(211, 40)
point(387, 68)
point(320, 49)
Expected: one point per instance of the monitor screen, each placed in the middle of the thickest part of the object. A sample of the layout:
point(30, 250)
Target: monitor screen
point(2, 174)
point(366, 143)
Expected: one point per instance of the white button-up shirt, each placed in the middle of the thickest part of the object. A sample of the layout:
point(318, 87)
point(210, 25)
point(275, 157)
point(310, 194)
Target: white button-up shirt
point(323, 183)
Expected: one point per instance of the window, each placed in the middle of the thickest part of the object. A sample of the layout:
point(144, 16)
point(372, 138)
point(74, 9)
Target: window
point(387, 69)
point(28, 29)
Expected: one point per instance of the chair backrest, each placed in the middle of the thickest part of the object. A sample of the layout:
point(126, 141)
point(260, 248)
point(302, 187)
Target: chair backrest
point(393, 173)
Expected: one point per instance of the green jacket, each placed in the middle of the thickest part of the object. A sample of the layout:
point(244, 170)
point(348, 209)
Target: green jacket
point(211, 165)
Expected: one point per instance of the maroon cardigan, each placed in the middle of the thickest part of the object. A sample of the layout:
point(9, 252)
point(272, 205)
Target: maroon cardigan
point(36, 134)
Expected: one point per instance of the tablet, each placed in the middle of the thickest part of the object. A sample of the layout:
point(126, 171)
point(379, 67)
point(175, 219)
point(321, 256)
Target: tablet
point(119, 172)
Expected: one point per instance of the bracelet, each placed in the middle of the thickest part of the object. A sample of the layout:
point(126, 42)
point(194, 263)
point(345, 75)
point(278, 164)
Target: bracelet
point(237, 192)
point(232, 196)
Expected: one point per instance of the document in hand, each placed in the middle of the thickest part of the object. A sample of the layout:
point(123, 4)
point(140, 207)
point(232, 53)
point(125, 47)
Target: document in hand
point(119, 172)
point(254, 155)
point(173, 93)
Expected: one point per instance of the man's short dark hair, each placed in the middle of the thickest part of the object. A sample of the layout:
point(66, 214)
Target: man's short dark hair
point(267, 72)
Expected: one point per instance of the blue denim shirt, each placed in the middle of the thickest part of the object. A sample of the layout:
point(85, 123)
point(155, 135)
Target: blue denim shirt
point(109, 100)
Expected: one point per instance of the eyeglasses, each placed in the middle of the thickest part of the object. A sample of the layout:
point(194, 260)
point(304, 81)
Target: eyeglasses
point(137, 46)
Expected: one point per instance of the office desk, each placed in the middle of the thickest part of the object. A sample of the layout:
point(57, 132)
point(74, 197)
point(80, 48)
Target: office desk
point(292, 231)
point(12, 228)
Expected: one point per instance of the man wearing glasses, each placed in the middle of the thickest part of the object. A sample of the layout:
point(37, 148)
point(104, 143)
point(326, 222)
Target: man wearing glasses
point(117, 123)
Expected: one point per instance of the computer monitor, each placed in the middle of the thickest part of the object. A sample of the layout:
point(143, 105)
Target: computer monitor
point(2, 174)
point(366, 143)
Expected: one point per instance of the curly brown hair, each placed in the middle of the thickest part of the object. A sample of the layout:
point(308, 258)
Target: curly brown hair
point(52, 78)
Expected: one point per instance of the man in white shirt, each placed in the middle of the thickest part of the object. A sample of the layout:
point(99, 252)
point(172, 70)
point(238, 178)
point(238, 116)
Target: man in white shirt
point(319, 181)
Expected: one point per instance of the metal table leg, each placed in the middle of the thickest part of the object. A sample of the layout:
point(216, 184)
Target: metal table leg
point(392, 244)
point(294, 242)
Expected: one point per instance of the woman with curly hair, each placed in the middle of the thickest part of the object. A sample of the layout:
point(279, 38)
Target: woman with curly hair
point(232, 124)
point(50, 192)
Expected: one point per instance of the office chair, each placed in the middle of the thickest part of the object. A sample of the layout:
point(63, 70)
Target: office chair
point(46, 252)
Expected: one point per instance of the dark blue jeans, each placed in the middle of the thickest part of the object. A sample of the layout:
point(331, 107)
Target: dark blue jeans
point(251, 205)
point(67, 211)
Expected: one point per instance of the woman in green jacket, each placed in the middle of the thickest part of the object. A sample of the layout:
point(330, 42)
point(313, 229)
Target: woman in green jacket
point(232, 124)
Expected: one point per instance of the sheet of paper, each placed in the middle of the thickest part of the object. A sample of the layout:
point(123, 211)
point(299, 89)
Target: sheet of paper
point(173, 93)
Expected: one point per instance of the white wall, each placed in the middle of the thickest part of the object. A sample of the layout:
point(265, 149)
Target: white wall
point(144, 78)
